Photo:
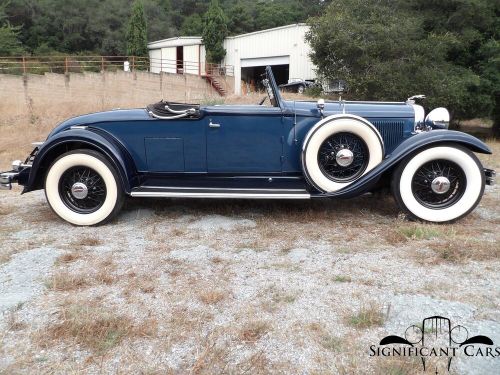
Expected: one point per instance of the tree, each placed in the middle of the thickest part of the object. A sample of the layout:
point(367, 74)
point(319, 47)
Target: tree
point(386, 51)
point(137, 34)
point(240, 19)
point(476, 25)
point(9, 36)
point(192, 25)
point(214, 32)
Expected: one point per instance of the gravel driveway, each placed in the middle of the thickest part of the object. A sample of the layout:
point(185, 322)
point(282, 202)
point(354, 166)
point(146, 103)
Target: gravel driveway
point(208, 286)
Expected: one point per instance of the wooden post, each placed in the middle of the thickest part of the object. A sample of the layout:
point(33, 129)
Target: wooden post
point(102, 63)
point(24, 65)
point(66, 65)
point(133, 63)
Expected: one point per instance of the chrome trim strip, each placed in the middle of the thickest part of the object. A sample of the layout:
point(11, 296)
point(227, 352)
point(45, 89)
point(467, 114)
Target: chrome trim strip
point(218, 195)
point(167, 117)
point(219, 189)
point(189, 111)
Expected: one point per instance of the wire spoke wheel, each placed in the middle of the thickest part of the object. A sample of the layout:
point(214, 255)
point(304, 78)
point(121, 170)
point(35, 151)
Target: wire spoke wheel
point(343, 157)
point(438, 184)
point(82, 189)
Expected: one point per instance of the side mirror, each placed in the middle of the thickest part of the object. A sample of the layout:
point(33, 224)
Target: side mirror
point(438, 118)
point(321, 104)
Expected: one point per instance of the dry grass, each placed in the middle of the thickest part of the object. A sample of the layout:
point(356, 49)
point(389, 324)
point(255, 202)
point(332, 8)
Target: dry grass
point(86, 240)
point(213, 356)
point(342, 279)
point(102, 273)
point(413, 231)
point(6, 209)
point(212, 297)
point(95, 328)
point(12, 322)
point(398, 366)
point(368, 316)
point(253, 331)
point(324, 338)
point(69, 258)
point(461, 250)
point(66, 281)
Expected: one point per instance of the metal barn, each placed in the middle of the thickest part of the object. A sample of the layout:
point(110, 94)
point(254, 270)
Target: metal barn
point(247, 55)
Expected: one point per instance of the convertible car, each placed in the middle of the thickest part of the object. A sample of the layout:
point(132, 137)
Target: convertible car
point(286, 150)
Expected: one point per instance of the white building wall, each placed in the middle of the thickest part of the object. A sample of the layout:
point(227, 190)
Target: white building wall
point(279, 42)
point(168, 59)
point(155, 60)
point(191, 59)
point(203, 59)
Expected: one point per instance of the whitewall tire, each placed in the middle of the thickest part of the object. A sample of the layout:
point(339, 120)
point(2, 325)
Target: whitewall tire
point(439, 184)
point(337, 151)
point(82, 187)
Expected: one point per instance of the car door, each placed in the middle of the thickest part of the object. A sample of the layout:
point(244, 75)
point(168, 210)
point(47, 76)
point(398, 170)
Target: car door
point(246, 139)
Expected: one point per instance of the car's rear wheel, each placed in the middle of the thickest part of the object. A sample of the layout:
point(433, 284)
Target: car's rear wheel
point(82, 187)
point(439, 184)
point(340, 151)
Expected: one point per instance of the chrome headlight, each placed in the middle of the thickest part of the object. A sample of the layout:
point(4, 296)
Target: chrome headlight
point(419, 116)
point(16, 165)
point(438, 118)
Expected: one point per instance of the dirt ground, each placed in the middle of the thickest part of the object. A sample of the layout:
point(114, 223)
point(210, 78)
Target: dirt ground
point(231, 287)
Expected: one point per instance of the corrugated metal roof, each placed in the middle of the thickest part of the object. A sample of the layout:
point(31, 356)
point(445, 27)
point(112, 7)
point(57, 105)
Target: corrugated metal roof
point(183, 40)
point(267, 30)
point(190, 40)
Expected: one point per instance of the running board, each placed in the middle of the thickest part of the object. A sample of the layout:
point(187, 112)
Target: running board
point(188, 192)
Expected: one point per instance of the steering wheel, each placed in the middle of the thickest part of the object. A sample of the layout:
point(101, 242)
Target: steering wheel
point(263, 100)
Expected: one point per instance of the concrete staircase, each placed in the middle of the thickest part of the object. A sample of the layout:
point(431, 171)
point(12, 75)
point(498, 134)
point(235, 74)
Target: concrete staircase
point(216, 84)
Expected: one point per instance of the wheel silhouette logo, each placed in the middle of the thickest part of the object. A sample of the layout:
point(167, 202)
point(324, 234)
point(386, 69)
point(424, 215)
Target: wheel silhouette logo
point(435, 342)
point(459, 334)
point(414, 334)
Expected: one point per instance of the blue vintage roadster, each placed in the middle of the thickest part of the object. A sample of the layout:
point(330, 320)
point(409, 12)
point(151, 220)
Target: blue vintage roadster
point(287, 150)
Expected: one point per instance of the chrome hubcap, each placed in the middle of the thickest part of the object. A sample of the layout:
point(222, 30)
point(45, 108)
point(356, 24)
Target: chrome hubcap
point(440, 185)
point(344, 157)
point(79, 190)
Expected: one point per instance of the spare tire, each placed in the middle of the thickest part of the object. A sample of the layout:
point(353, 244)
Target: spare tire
point(339, 150)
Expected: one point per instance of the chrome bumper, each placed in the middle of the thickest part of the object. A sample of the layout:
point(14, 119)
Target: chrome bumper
point(7, 178)
point(490, 176)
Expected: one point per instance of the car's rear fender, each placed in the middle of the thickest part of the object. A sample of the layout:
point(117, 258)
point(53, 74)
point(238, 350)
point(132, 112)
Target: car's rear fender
point(406, 148)
point(83, 138)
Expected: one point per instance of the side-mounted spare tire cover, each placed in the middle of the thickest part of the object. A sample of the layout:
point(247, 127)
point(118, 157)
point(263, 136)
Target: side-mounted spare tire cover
point(340, 149)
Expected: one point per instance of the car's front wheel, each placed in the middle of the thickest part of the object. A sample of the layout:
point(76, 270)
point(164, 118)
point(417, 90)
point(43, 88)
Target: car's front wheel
point(439, 184)
point(82, 187)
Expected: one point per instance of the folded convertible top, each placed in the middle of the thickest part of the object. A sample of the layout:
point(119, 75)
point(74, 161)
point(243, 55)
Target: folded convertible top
point(171, 110)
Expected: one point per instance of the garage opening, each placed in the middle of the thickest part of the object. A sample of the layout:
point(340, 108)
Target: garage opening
point(252, 71)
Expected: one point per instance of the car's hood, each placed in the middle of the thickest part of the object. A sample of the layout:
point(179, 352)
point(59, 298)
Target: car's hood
point(103, 117)
point(362, 109)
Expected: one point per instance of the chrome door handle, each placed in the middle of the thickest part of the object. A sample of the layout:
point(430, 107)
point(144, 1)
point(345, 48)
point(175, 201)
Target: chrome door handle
point(213, 125)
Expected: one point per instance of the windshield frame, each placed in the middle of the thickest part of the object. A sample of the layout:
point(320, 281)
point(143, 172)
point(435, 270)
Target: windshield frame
point(272, 89)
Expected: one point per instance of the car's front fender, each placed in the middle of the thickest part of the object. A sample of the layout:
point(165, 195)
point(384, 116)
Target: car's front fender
point(410, 146)
point(82, 137)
